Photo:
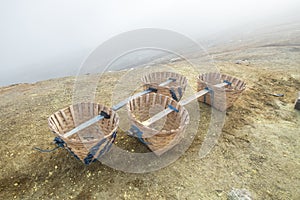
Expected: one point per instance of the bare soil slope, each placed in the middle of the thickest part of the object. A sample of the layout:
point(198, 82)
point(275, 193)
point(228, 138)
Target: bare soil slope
point(258, 149)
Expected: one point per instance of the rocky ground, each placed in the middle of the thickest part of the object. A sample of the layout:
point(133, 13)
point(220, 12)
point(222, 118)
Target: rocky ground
point(258, 149)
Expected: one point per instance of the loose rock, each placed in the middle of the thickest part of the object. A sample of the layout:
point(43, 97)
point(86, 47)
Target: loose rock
point(239, 194)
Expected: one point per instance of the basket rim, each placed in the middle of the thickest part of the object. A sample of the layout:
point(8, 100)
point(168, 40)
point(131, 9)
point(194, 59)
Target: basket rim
point(237, 89)
point(183, 83)
point(74, 140)
point(157, 132)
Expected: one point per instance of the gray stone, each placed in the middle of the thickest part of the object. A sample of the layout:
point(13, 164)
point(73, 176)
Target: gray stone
point(239, 194)
point(242, 62)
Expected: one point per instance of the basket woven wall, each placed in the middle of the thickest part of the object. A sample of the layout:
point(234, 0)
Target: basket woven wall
point(175, 89)
point(220, 98)
point(90, 143)
point(170, 131)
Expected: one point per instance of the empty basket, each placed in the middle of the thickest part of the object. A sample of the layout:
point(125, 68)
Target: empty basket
point(174, 89)
point(90, 143)
point(220, 98)
point(163, 134)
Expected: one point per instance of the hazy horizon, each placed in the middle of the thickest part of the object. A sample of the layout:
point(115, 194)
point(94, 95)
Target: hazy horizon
point(48, 39)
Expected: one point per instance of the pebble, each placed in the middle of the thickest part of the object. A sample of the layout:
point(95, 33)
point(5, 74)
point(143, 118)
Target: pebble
point(88, 174)
point(16, 184)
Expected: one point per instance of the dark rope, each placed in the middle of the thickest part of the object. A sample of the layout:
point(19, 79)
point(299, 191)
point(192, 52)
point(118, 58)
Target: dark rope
point(59, 142)
point(104, 114)
point(173, 94)
point(91, 156)
point(135, 130)
point(152, 89)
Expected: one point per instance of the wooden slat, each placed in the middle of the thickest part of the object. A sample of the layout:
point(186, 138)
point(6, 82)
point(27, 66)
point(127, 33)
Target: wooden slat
point(57, 124)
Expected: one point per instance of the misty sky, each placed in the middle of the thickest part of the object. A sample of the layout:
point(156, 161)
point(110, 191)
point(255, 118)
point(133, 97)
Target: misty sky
point(51, 38)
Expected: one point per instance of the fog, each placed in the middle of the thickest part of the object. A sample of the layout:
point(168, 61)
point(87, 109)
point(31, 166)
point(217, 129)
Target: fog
point(51, 38)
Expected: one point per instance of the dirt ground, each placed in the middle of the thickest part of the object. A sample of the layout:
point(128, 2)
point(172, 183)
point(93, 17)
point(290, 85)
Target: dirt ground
point(258, 149)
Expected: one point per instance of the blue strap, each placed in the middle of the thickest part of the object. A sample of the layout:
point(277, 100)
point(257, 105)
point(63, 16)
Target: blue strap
point(135, 130)
point(108, 145)
point(102, 151)
point(228, 82)
point(211, 95)
point(173, 94)
point(113, 140)
point(60, 143)
point(90, 157)
point(173, 108)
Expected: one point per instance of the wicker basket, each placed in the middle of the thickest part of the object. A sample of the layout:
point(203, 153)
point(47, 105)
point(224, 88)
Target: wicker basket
point(174, 89)
point(171, 128)
point(220, 98)
point(90, 143)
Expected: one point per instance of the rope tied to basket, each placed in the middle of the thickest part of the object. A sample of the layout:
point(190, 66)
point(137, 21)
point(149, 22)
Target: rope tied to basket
point(95, 140)
point(104, 114)
point(172, 91)
point(57, 141)
point(91, 156)
point(223, 98)
point(228, 82)
point(152, 89)
point(176, 88)
point(135, 130)
point(173, 108)
point(211, 91)
point(60, 144)
point(93, 151)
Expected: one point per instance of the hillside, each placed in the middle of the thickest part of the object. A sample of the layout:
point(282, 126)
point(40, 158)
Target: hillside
point(258, 149)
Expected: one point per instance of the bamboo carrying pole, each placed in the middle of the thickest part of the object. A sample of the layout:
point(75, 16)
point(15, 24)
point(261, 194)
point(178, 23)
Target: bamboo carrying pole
point(114, 108)
point(182, 103)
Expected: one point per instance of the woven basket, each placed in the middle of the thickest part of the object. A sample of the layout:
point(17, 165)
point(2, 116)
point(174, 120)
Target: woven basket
point(90, 143)
point(174, 89)
point(220, 98)
point(163, 134)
